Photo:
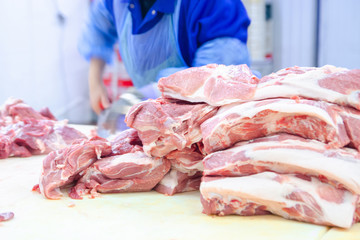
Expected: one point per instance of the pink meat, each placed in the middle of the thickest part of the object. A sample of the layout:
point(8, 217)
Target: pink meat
point(351, 118)
point(288, 154)
point(39, 136)
point(186, 160)
point(62, 167)
point(164, 126)
point(309, 119)
point(125, 142)
point(130, 172)
point(6, 216)
point(327, 83)
point(286, 195)
point(214, 84)
point(177, 182)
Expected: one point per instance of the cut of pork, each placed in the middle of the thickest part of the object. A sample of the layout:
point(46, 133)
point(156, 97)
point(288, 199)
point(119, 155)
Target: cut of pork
point(164, 125)
point(186, 171)
point(125, 142)
point(214, 84)
point(309, 119)
point(186, 160)
point(351, 118)
point(130, 172)
point(17, 110)
point(36, 137)
point(288, 154)
point(328, 83)
point(177, 182)
point(63, 166)
point(286, 195)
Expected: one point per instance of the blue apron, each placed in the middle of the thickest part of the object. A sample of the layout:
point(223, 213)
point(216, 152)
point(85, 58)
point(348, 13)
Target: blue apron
point(146, 54)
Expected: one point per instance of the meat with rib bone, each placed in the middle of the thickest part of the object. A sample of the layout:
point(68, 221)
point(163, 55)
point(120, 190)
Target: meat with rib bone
point(309, 119)
point(285, 153)
point(129, 172)
point(287, 195)
point(214, 84)
point(62, 167)
point(328, 83)
point(165, 125)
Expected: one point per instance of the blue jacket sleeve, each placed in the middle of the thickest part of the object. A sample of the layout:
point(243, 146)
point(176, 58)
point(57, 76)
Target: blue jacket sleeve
point(99, 35)
point(202, 21)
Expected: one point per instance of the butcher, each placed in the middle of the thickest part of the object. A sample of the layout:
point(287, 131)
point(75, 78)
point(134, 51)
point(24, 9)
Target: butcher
point(159, 37)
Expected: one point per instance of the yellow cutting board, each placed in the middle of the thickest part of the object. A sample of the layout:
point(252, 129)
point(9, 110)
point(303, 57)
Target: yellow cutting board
point(147, 215)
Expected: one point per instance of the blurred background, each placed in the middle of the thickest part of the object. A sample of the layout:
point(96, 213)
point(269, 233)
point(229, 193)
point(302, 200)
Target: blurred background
point(40, 63)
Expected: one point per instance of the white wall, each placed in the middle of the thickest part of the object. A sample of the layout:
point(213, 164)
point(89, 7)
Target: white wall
point(294, 33)
point(39, 61)
point(340, 33)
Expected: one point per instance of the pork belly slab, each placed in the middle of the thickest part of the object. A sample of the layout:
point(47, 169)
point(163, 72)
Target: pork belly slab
point(306, 118)
point(286, 153)
point(287, 195)
point(328, 83)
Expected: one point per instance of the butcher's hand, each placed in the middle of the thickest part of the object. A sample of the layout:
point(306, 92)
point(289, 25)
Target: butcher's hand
point(99, 99)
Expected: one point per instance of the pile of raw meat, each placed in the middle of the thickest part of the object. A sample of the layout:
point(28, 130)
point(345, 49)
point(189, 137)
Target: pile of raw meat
point(286, 144)
point(25, 132)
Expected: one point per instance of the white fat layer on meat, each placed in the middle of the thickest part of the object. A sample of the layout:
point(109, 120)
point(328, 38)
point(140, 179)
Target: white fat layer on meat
point(137, 158)
point(280, 155)
point(305, 85)
point(345, 171)
point(199, 94)
point(351, 115)
point(185, 164)
point(354, 99)
point(282, 106)
point(170, 180)
point(264, 190)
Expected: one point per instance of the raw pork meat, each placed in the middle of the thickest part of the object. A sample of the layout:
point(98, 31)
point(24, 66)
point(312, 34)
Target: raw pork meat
point(186, 171)
point(130, 172)
point(164, 125)
point(309, 119)
point(286, 195)
point(177, 182)
point(17, 110)
point(328, 83)
point(32, 137)
point(351, 118)
point(125, 142)
point(6, 216)
point(187, 160)
point(214, 84)
point(24, 131)
point(288, 154)
point(63, 166)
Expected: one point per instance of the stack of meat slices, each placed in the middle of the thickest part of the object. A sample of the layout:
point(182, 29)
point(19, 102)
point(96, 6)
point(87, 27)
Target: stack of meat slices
point(285, 144)
point(170, 126)
point(25, 132)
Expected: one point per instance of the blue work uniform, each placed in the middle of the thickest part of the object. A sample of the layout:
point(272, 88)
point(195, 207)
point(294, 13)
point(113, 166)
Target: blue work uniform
point(173, 35)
